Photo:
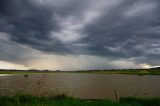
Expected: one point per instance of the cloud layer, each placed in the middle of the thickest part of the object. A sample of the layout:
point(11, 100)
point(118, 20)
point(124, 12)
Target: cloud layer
point(117, 30)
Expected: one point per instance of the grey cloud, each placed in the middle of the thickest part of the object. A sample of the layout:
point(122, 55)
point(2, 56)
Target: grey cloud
point(12, 51)
point(128, 29)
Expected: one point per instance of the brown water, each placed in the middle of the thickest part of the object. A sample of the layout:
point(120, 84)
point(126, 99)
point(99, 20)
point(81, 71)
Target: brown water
point(87, 86)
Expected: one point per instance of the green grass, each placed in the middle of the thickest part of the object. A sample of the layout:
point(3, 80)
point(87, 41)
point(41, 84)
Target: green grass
point(137, 101)
point(62, 100)
point(132, 72)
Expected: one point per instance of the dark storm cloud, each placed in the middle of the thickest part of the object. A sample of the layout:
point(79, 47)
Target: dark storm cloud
point(114, 28)
point(30, 22)
point(116, 34)
point(26, 23)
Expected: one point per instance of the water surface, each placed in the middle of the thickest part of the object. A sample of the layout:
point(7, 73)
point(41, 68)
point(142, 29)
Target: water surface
point(82, 85)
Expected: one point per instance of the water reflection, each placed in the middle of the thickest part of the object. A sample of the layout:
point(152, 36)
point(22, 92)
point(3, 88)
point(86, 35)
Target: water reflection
point(5, 75)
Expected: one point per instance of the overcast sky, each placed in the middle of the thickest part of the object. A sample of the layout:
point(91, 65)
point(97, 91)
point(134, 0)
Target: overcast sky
point(79, 34)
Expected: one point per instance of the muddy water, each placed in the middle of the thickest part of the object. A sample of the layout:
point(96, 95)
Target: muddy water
point(87, 86)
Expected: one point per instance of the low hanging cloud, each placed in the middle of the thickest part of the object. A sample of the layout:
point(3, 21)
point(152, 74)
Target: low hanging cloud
point(120, 31)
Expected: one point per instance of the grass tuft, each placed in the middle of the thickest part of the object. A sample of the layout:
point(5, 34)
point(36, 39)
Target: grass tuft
point(63, 100)
point(141, 101)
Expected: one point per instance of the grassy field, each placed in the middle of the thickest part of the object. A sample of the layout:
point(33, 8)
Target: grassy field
point(62, 100)
point(134, 72)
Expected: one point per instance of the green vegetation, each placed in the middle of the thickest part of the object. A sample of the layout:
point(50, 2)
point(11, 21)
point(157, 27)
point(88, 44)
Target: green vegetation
point(136, 101)
point(134, 72)
point(62, 100)
point(129, 71)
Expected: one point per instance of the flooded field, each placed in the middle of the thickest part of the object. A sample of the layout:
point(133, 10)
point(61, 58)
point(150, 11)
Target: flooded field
point(81, 85)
